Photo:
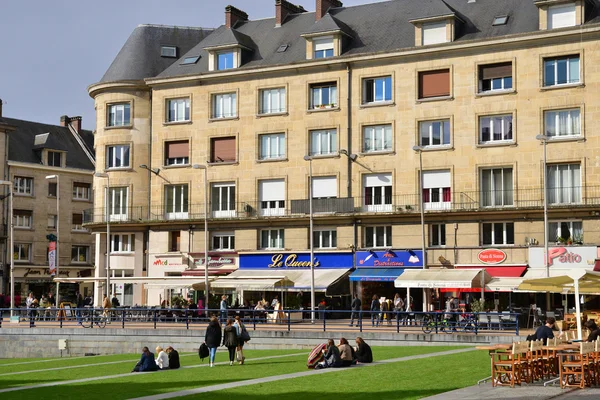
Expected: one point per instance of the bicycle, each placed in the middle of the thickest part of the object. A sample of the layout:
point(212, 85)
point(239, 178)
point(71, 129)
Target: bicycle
point(468, 322)
point(93, 316)
point(429, 324)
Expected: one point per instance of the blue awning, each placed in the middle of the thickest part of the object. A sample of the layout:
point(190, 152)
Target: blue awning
point(376, 274)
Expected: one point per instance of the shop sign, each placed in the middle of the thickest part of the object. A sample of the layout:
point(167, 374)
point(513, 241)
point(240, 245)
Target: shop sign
point(215, 261)
point(390, 258)
point(491, 256)
point(45, 272)
point(563, 257)
point(295, 261)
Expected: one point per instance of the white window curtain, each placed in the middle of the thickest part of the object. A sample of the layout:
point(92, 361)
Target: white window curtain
point(434, 32)
point(225, 105)
point(324, 187)
point(272, 146)
point(564, 183)
point(179, 110)
point(563, 123)
point(273, 101)
point(497, 187)
point(323, 142)
point(377, 138)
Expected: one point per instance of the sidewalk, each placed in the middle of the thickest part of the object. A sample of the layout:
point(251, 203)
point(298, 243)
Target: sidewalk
point(538, 392)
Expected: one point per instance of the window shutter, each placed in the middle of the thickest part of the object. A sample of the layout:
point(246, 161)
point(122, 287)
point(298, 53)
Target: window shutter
point(77, 219)
point(434, 83)
point(378, 180)
point(272, 190)
point(223, 149)
point(434, 33)
point(496, 71)
point(324, 186)
point(177, 149)
point(81, 185)
point(436, 179)
point(323, 43)
point(561, 16)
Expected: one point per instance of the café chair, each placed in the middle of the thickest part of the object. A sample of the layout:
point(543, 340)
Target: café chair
point(576, 369)
point(535, 361)
point(509, 368)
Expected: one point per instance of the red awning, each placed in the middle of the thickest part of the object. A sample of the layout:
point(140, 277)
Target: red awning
point(211, 272)
point(597, 265)
point(499, 272)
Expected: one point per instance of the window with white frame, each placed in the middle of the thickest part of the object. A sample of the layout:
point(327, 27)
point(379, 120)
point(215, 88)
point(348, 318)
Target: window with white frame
point(271, 194)
point(223, 241)
point(377, 138)
point(23, 185)
point(224, 105)
point(272, 101)
point(434, 133)
point(563, 183)
point(168, 51)
point(495, 77)
point(176, 201)
point(323, 142)
point(378, 192)
point(561, 70)
point(437, 193)
point(117, 156)
point(177, 152)
point(223, 199)
point(434, 32)
point(119, 114)
point(497, 233)
point(225, 60)
point(52, 221)
point(437, 235)
point(496, 129)
point(178, 110)
point(77, 222)
point(565, 231)
point(272, 146)
point(496, 187)
point(80, 254)
point(562, 123)
point(54, 158)
point(562, 15)
point(323, 95)
point(81, 190)
point(22, 219)
point(323, 47)
point(22, 252)
point(377, 90)
point(272, 239)
point(117, 203)
point(378, 236)
point(122, 243)
point(325, 239)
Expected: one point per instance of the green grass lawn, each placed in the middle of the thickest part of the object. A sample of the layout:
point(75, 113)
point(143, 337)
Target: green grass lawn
point(136, 385)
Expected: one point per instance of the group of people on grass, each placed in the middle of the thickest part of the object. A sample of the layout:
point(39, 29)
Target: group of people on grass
point(165, 359)
point(344, 355)
point(233, 336)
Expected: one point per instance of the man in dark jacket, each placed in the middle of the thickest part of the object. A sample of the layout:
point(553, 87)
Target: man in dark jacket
point(173, 358)
point(212, 338)
point(79, 303)
point(356, 307)
point(545, 332)
point(146, 363)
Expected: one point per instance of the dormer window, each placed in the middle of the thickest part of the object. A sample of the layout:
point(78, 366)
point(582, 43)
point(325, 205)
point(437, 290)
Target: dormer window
point(168, 51)
point(54, 159)
point(434, 32)
point(562, 15)
point(323, 47)
point(225, 60)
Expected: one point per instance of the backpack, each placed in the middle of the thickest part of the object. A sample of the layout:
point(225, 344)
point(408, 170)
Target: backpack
point(203, 351)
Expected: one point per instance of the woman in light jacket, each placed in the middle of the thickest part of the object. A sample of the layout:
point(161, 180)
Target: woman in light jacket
point(162, 358)
point(212, 338)
point(345, 353)
point(230, 339)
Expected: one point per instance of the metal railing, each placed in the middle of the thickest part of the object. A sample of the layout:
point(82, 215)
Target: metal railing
point(283, 320)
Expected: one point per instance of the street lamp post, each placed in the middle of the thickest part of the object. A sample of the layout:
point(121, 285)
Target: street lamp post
point(57, 258)
point(544, 140)
point(204, 167)
point(311, 241)
point(11, 249)
point(419, 149)
point(107, 216)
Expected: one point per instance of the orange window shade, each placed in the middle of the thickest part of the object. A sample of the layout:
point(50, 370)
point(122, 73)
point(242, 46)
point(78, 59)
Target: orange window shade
point(223, 149)
point(496, 71)
point(178, 149)
point(434, 83)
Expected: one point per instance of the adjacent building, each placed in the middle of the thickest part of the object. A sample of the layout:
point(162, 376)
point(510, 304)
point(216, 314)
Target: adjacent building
point(375, 111)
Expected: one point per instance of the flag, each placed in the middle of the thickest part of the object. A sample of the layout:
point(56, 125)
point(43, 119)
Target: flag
point(52, 258)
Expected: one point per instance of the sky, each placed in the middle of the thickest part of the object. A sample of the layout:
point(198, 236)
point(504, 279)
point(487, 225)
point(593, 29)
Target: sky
point(51, 51)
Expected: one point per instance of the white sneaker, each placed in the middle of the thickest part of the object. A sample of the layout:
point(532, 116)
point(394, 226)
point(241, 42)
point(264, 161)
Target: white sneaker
point(212, 365)
point(230, 363)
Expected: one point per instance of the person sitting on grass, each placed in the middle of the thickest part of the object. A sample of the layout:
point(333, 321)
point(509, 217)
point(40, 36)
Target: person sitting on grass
point(594, 330)
point(332, 356)
point(346, 353)
point(162, 359)
point(146, 363)
point(363, 352)
point(544, 332)
point(173, 357)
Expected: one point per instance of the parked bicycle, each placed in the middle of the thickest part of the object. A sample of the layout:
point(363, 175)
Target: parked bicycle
point(468, 322)
point(93, 316)
point(444, 325)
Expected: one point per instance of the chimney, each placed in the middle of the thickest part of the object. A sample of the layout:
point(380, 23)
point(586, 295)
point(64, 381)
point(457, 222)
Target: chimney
point(64, 120)
point(75, 122)
point(283, 8)
point(233, 15)
point(324, 5)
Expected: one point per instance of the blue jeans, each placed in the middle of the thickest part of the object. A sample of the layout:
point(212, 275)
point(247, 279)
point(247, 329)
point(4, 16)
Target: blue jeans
point(374, 317)
point(213, 352)
point(223, 316)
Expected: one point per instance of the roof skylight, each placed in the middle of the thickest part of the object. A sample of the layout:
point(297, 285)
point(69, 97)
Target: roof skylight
point(190, 60)
point(501, 20)
point(283, 48)
point(168, 51)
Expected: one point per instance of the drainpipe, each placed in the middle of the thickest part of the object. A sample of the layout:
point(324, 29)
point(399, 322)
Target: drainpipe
point(349, 122)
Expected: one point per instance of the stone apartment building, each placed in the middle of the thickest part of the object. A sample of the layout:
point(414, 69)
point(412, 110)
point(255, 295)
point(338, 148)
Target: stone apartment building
point(395, 107)
point(32, 153)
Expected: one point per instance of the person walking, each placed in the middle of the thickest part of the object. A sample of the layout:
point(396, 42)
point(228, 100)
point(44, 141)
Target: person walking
point(398, 307)
point(223, 309)
point(107, 306)
point(230, 340)
point(212, 338)
point(241, 333)
point(356, 306)
point(374, 310)
point(79, 305)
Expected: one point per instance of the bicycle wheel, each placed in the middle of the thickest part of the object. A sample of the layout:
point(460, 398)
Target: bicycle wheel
point(101, 321)
point(86, 319)
point(428, 324)
point(468, 326)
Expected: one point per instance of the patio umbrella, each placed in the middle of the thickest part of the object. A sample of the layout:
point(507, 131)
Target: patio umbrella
point(576, 282)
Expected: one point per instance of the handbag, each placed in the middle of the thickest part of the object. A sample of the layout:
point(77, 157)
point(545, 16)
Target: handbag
point(203, 351)
point(244, 336)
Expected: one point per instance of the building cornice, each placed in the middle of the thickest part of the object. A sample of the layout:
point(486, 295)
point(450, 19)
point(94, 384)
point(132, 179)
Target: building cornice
point(97, 88)
point(514, 40)
point(55, 170)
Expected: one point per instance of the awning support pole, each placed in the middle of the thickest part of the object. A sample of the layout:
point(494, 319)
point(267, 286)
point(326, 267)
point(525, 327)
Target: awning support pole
point(577, 309)
point(482, 280)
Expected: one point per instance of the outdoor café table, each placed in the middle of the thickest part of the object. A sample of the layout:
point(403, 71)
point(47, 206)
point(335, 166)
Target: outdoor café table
point(492, 348)
point(560, 350)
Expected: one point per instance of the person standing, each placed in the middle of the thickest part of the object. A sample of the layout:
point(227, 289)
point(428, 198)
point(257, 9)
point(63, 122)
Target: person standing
point(29, 304)
point(356, 306)
point(398, 307)
point(79, 305)
point(212, 338)
point(230, 340)
point(223, 308)
point(107, 306)
point(115, 301)
point(374, 310)
point(52, 300)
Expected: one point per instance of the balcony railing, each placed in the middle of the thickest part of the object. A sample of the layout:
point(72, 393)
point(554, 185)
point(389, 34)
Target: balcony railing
point(579, 196)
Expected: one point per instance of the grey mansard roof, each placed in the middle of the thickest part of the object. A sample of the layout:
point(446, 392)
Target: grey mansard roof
point(23, 146)
point(140, 57)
